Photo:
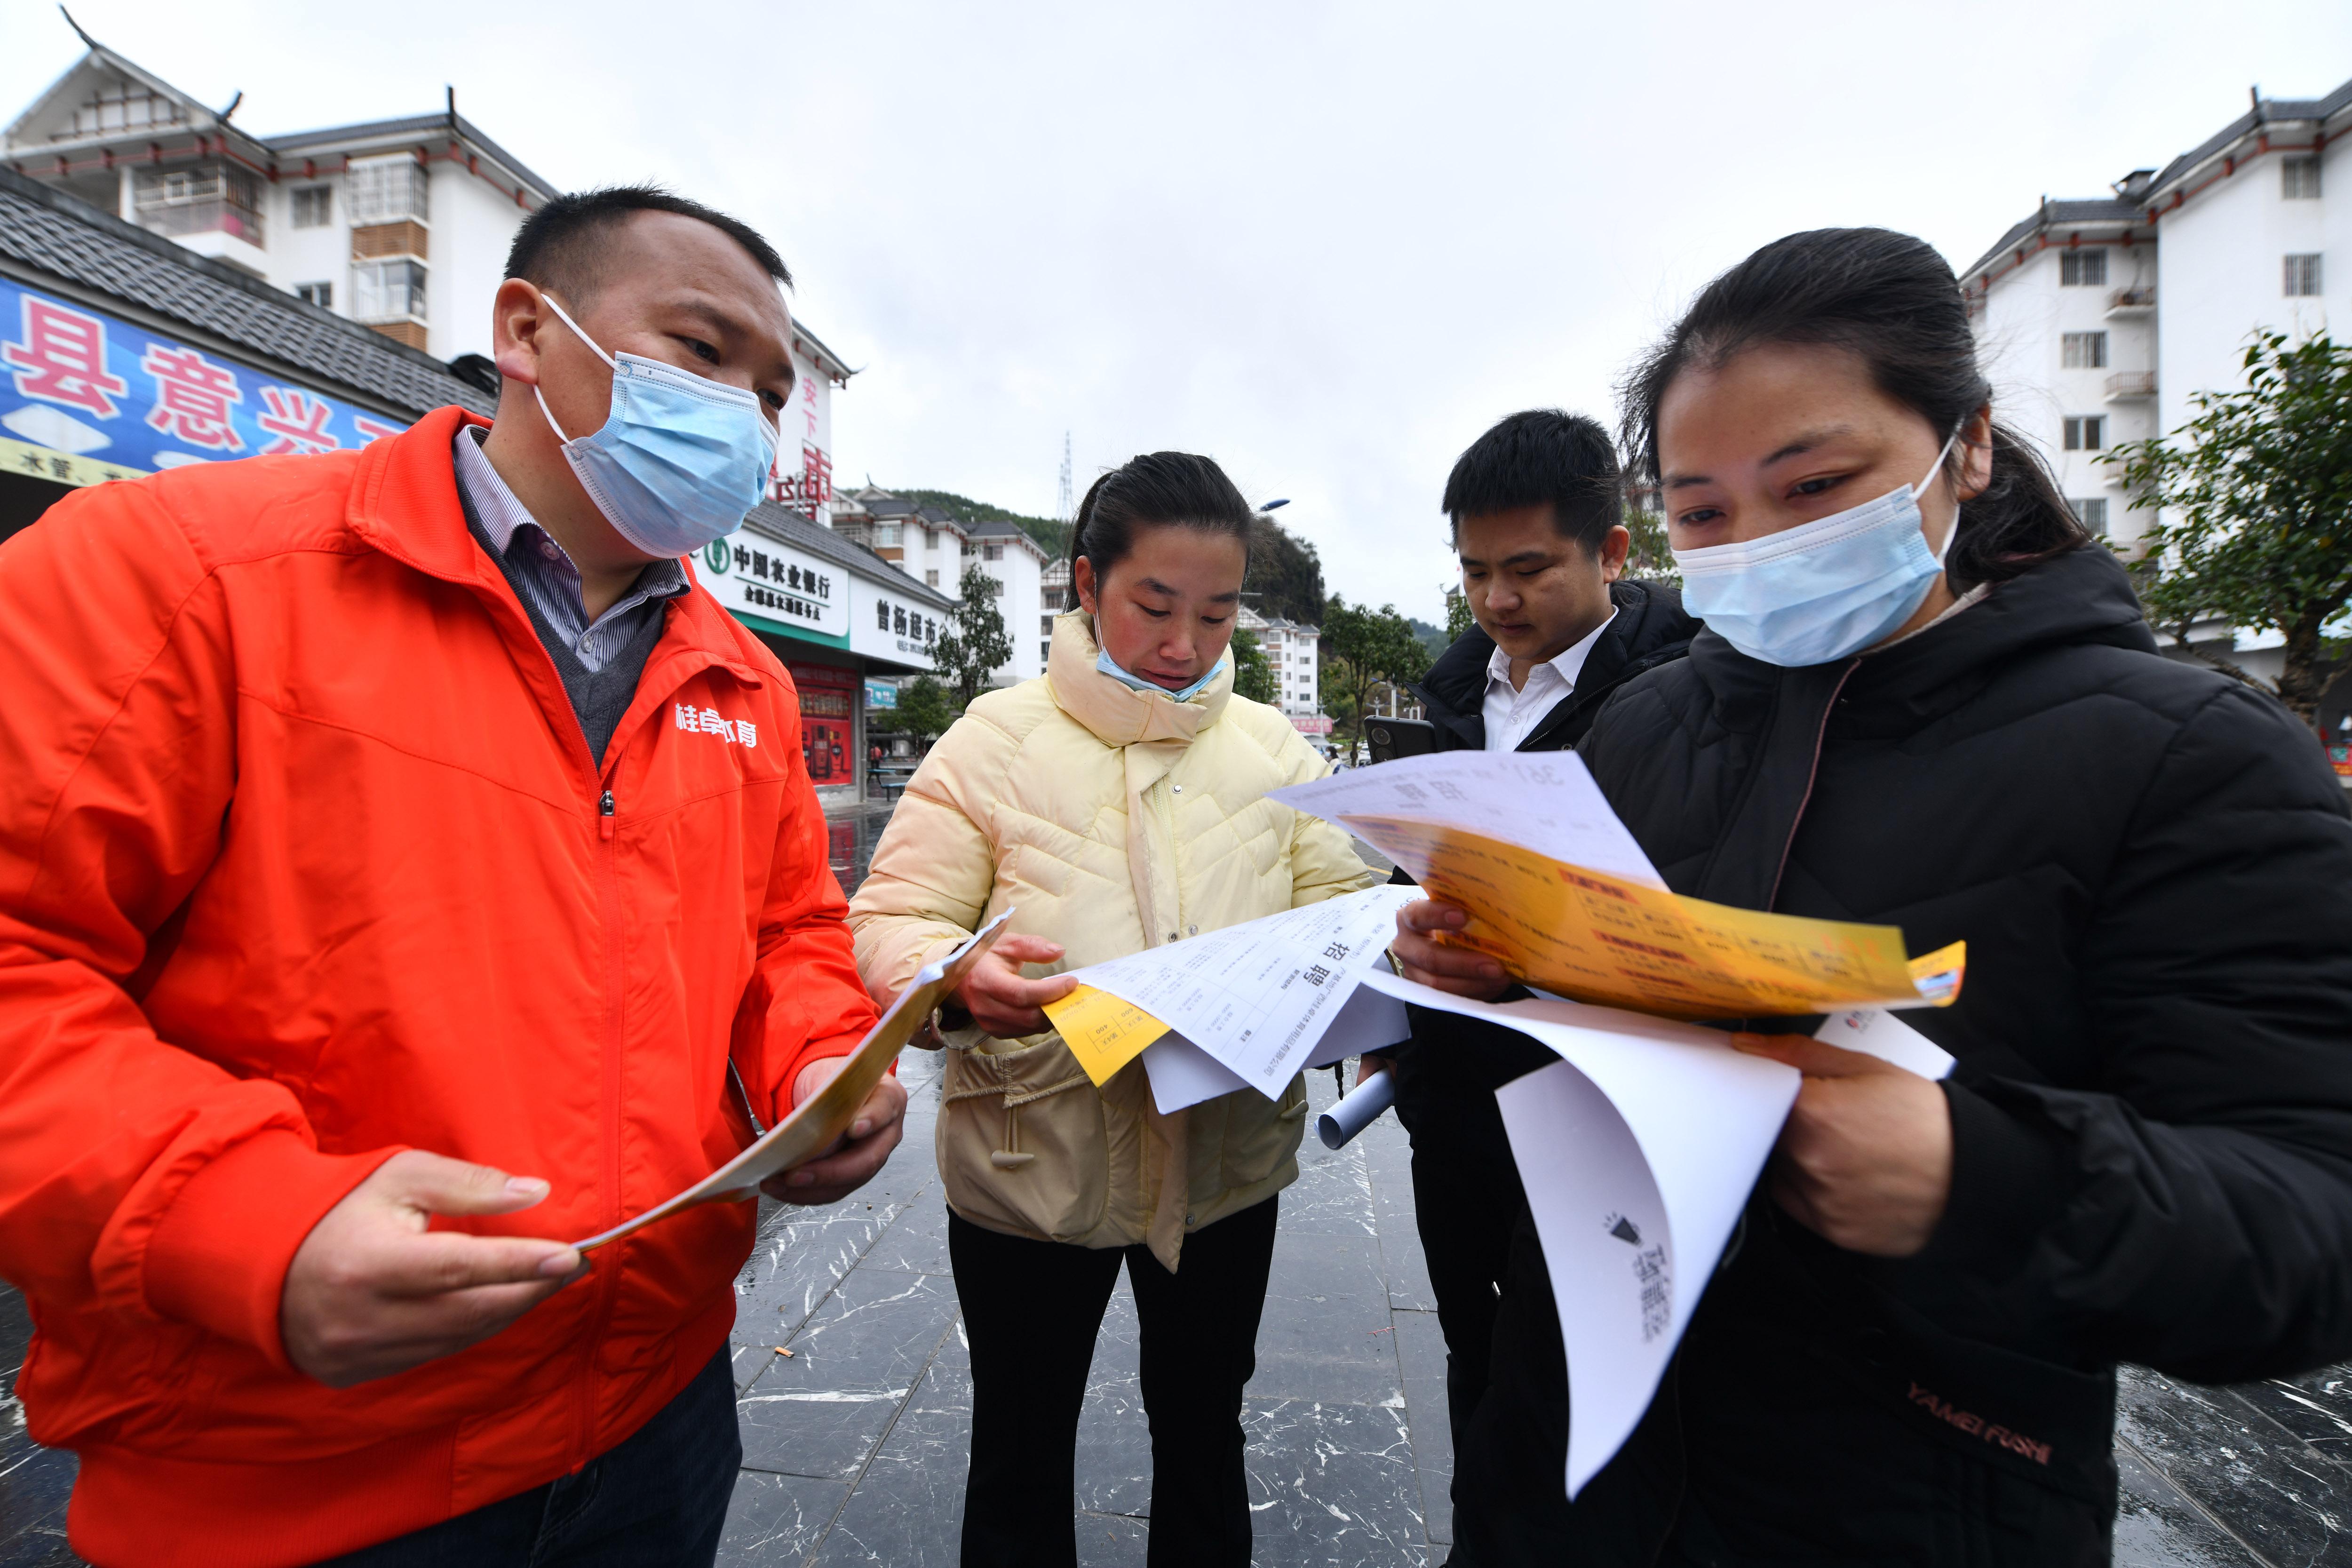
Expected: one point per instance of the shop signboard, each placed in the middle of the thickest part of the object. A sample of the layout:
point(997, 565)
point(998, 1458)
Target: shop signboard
point(777, 587)
point(85, 398)
point(881, 694)
point(897, 628)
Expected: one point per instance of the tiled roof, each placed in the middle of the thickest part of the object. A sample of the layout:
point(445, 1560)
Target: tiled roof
point(2268, 111)
point(418, 125)
point(51, 232)
point(784, 523)
point(2108, 209)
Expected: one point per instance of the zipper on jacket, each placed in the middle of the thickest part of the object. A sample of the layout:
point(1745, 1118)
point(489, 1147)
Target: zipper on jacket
point(608, 909)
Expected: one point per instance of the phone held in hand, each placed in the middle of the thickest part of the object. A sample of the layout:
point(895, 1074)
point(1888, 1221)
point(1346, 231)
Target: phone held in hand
point(1394, 738)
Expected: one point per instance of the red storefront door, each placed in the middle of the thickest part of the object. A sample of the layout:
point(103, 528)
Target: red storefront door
point(827, 744)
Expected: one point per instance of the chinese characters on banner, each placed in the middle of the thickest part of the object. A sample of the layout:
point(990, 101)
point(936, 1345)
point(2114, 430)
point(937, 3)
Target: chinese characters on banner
point(85, 398)
point(751, 573)
point(803, 471)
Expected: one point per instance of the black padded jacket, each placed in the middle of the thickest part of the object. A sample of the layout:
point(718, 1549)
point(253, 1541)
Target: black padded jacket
point(2152, 1110)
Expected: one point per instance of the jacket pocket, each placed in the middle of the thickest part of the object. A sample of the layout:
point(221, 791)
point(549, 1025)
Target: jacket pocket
point(1022, 1143)
point(1260, 1138)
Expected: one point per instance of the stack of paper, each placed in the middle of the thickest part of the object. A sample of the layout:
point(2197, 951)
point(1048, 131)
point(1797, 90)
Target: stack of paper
point(1639, 1148)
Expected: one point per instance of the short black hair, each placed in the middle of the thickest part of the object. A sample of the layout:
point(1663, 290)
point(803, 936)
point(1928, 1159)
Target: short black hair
point(1542, 456)
point(556, 246)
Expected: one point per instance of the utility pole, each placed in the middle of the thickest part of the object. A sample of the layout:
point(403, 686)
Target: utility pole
point(1067, 511)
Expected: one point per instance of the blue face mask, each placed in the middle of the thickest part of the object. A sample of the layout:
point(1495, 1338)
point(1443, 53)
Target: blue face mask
point(1110, 667)
point(680, 460)
point(1824, 590)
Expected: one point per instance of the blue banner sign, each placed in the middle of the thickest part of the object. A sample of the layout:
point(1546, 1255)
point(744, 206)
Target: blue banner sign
point(85, 398)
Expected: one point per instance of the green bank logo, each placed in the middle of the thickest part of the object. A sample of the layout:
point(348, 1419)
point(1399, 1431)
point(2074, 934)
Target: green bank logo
point(718, 556)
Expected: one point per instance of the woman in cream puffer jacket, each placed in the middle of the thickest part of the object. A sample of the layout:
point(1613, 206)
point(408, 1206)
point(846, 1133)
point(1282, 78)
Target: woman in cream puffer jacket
point(1111, 819)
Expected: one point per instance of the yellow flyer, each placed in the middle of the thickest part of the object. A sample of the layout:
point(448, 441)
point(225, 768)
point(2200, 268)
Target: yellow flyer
point(1600, 938)
point(1104, 1033)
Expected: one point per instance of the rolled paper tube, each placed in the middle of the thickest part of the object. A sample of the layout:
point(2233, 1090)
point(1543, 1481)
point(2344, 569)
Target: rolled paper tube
point(1357, 1110)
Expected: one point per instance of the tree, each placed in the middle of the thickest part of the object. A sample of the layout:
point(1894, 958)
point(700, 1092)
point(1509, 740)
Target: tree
point(975, 644)
point(1286, 575)
point(924, 711)
point(1458, 618)
point(1052, 535)
point(1368, 648)
point(1651, 558)
point(2257, 529)
point(1252, 675)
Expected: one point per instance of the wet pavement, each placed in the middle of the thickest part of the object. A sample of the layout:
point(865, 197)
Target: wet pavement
point(854, 1447)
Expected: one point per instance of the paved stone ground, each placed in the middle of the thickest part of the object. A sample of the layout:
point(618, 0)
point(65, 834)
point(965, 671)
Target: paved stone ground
point(854, 1447)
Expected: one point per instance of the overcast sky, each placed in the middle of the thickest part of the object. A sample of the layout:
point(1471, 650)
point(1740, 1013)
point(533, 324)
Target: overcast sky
point(1327, 245)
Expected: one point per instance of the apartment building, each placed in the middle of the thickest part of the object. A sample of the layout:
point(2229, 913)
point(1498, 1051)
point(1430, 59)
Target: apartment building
point(2101, 318)
point(1294, 650)
point(402, 225)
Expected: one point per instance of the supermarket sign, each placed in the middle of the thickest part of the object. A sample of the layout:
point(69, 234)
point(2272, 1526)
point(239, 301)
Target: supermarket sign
point(85, 398)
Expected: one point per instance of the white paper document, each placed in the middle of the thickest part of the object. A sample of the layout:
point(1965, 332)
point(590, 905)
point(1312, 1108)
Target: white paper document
point(1183, 1074)
point(1259, 998)
point(1357, 1110)
point(1638, 1150)
point(1875, 1031)
point(1543, 801)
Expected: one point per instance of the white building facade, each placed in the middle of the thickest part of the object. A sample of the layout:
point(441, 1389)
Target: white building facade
point(2100, 319)
point(1294, 652)
point(400, 224)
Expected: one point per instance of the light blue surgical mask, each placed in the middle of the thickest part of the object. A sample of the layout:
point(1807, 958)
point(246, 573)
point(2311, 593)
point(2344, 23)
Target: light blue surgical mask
point(680, 460)
point(1110, 667)
point(1822, 590)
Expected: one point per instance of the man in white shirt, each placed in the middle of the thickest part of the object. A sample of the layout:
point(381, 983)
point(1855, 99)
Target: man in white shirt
point(1538, 515)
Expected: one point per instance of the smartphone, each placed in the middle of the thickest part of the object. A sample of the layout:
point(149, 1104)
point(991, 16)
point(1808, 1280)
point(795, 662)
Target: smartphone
point(1394, 738)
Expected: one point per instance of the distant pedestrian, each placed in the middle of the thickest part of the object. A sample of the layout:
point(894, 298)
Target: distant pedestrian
point(379, 824)
point(1925, 697)
point(1117, 804)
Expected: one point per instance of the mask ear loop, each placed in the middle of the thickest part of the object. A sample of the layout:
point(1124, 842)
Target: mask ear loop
point(1918, 489)
point(566, 318)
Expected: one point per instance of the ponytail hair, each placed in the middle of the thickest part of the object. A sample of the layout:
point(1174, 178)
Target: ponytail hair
point(1158, 489)
point(1893, 301)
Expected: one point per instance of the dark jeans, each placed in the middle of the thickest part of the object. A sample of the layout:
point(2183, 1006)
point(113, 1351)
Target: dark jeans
point(1032, 1309)
point(657, 1501)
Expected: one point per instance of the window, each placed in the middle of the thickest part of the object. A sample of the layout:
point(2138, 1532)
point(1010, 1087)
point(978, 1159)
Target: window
point(1045, 626)
point(2091, 511)
point(388, 290)
point(931, 578)
point(930, 539)
point(2082, 269)
point(314, 205)
point(2083, 350)
point(320, 294)
point(992, 552)
point(2299, 179)
point(1046, 653)
point(386, 190)
point(2086, 432)
point(886, 536)
point(208, 198)
point(2303, 274)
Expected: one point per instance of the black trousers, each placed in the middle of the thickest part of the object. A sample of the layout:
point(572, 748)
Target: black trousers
point(1032, 1309)
point(1466, 1187)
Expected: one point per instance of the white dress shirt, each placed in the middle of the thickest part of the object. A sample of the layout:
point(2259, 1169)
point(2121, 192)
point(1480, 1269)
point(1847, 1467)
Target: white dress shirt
point(1509, 714)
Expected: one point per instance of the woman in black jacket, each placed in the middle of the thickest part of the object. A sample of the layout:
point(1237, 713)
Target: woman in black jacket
point(1926, 699)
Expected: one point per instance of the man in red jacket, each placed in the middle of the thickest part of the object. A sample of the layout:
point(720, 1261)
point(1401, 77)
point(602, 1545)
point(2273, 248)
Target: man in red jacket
point(403, 867)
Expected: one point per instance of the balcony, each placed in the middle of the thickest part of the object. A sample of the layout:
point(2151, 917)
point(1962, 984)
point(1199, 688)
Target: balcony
point(2131, 304)
point(2131, 386)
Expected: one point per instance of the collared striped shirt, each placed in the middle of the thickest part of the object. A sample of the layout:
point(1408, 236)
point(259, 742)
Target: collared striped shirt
point(542, 570)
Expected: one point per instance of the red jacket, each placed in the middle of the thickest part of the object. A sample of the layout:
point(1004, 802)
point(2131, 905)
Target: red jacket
point(301, 864)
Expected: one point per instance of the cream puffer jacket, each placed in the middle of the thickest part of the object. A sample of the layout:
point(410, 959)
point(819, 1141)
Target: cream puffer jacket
point(1112, 820)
